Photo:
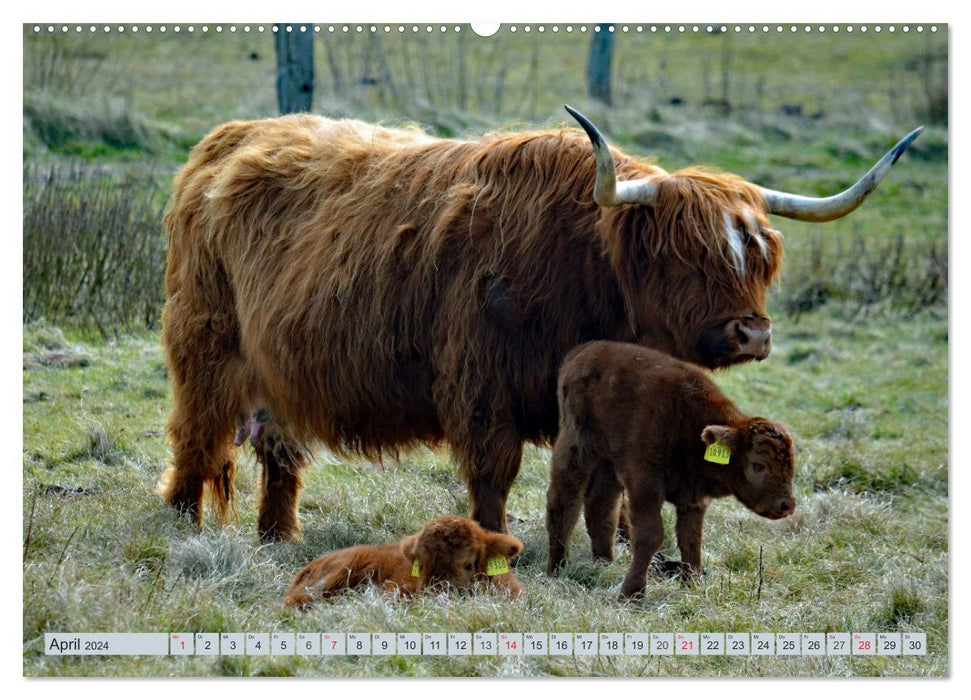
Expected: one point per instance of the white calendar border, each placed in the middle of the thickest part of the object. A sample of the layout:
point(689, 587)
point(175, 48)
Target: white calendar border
point(505, 10)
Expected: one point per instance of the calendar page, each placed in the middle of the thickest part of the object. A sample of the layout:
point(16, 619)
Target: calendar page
point(532, 349)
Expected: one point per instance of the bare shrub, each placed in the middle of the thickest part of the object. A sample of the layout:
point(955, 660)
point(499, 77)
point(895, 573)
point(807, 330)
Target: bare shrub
point(63, 64)
point(863, 276)
point(94, 252)
point(932, 68)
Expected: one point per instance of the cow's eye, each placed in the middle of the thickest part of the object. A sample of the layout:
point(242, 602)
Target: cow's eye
point(470, 566)
point(756, 467)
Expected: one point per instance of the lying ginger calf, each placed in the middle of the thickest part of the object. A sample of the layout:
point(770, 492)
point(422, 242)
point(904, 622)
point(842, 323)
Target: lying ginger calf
point(448, 551)
point(637, 421)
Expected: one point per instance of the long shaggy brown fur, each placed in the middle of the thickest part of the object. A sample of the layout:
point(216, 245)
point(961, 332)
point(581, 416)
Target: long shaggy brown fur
point(376, 288)
point(636, 421)
point(448, 552)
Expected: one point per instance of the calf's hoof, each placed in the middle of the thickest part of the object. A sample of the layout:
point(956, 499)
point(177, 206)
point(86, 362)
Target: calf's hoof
point(672, 568)
point(553, 566)
point(661, 566)
point(632, 591)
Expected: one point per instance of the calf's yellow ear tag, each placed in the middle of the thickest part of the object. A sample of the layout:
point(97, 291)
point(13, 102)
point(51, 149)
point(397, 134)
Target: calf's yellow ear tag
point(497, 565)
point(718, 453)
point(415, 569)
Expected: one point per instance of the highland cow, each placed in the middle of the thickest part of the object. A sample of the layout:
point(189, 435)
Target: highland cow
point(636, 421)
point(448, 553)
point(374, 289)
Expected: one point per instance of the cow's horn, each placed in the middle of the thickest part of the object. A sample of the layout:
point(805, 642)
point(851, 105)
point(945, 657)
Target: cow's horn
point(818, 209)
point(607, 192)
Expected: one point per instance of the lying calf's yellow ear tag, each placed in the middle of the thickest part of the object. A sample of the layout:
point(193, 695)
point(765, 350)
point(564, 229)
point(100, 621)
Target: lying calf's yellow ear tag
point(497, 565)
point(415, 569)
point(718, 453)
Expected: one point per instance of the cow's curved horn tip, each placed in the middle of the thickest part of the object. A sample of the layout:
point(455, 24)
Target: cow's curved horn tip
point(596, 138)
point(905, 142)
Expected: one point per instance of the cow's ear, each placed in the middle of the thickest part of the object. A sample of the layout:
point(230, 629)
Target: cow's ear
point(409, 547)
point(724, 434)
point(503, 546)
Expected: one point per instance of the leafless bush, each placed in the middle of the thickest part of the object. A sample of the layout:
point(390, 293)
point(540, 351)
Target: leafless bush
point(60, 64)
point(424, 76)
point(930, 102)
point(94, 252)
point(862, 276)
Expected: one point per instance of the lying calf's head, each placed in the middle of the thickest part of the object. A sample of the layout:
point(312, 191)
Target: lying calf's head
point(761, 464)
point(458, 552)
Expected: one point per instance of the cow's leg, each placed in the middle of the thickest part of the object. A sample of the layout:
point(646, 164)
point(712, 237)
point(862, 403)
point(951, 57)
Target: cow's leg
point(203, 456)
point(205, 372)
point(490, 478)
point(602, 509)
point(688, 528)
point(481, 431)
point(488, 454)
point(568, 478)
point(282, 463)
point(647, 535)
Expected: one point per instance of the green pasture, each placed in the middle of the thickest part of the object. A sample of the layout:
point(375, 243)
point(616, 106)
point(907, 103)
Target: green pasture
point(859, 370)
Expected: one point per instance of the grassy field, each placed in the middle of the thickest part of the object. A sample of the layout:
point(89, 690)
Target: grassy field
point(859, 370)
point(866, 549)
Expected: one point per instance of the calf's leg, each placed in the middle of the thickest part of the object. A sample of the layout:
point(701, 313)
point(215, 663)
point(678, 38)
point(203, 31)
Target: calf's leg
point(646, 537)
point(602, 510)
point(623, 520)
point(568, 477)
point(688, 528)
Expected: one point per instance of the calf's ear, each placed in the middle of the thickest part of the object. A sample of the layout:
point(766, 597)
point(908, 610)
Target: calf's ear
point(409, 546)
point(724, 434)
point(499, 545)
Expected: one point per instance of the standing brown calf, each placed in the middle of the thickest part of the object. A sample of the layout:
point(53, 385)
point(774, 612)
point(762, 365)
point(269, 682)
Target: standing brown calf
point(636, 420)
point(450, 550)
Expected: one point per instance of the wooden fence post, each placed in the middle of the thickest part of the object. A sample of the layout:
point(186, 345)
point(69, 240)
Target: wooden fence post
point(294, 68)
